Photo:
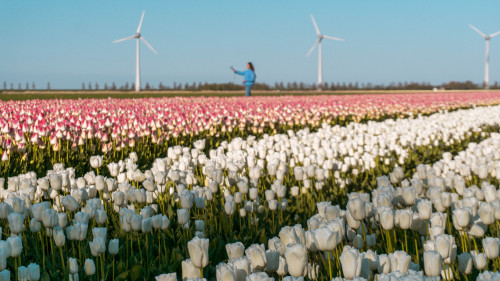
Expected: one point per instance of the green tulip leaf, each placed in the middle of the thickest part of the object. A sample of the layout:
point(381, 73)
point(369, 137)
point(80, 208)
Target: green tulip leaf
point(136, 272)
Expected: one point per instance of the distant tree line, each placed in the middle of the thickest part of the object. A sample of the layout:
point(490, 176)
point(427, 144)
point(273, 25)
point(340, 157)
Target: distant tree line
point(278, 86)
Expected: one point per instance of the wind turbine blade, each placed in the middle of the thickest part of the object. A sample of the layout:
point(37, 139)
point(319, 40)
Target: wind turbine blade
point(333, 38)
point(124, 39)
point(495, 34)
point(147, 44)
point(314, 46)
point(140, 23)
point(315, 25)
point(477, 30)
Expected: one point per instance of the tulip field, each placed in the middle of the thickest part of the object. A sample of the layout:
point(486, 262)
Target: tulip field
point(366, 187)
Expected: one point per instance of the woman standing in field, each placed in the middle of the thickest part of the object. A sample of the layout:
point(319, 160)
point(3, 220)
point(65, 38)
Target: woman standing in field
point(249, 75)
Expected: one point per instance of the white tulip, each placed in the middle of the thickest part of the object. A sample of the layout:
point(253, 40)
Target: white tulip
point(296, 259)
point(351, 262)
point(491, 247)
point(89, 267)
point(432, 263)
point(198, 252)
point(465, 263)
point(256, 254)
point(235, 250)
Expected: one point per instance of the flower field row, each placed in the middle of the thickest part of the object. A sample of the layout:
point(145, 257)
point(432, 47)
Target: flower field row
point(118, 221)
point(36, 134)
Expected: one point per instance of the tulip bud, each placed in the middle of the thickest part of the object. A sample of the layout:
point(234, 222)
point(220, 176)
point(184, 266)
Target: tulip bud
point(272, 261)
point(461, 218)
point(69, 203)
point(296, 259)
point(198, 252)
point(404, 218)
point(33, 272)
point(409, 195)
point(182, 216)
point(96, 162)
point(311, 242)
point(100, 183)
point(351, 262)
point(189, 270)
point(50, 218)
point(358, 242)
point(371, 240)
point(225, 272)
point(5, 274)
point(275, 244)
point(432, 263)
point(256, 254)
point(113, 246)
point(254, 193)
point(235, 250)
point(479, 259)
point(89, 267)
point(59, 237)
point(384, 264)
point(487, 213)
point(165, 222)
point(400, 261)
point(229, 207)
point(35, 225)
point(147, 225)
point(327, 240)
point(387, 219)
point(55, 181)
point(373, 259)
point(465, 263)
point(356, 208)
point(424, 207)
point(22, 273)
point(16, 222)
point(491, 247)
point(16, 245)
point(73, 266)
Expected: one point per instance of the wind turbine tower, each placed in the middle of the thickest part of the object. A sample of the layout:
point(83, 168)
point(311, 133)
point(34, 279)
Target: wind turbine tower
point(318, 43)
point(138, 36)
point(487, 62)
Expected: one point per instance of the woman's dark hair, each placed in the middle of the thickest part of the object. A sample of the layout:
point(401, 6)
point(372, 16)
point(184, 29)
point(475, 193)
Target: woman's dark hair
point(251, 66)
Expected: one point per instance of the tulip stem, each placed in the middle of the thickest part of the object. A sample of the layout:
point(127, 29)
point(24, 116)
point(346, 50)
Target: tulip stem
point(475, 244)
point(337, 260)
point(329, 265)
point(416, 251)
point(62, 260)
point(406, 242)
point(389, 241)
point(15, 269)
point(102, 267)
point(43, 250)
point(139, 246)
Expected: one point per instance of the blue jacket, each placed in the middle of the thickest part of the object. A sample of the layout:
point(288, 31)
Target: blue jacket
point(249, 77)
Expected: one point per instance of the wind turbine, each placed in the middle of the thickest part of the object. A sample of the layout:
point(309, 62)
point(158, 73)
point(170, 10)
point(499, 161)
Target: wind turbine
point(487, 63)
point(137, 36)
point(318, 43)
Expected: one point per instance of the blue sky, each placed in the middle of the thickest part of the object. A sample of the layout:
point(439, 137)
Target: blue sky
point(70, 42)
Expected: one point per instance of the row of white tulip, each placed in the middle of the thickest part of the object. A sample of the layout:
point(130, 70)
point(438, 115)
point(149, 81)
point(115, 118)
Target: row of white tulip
point(390, 267)
point(232, 173)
